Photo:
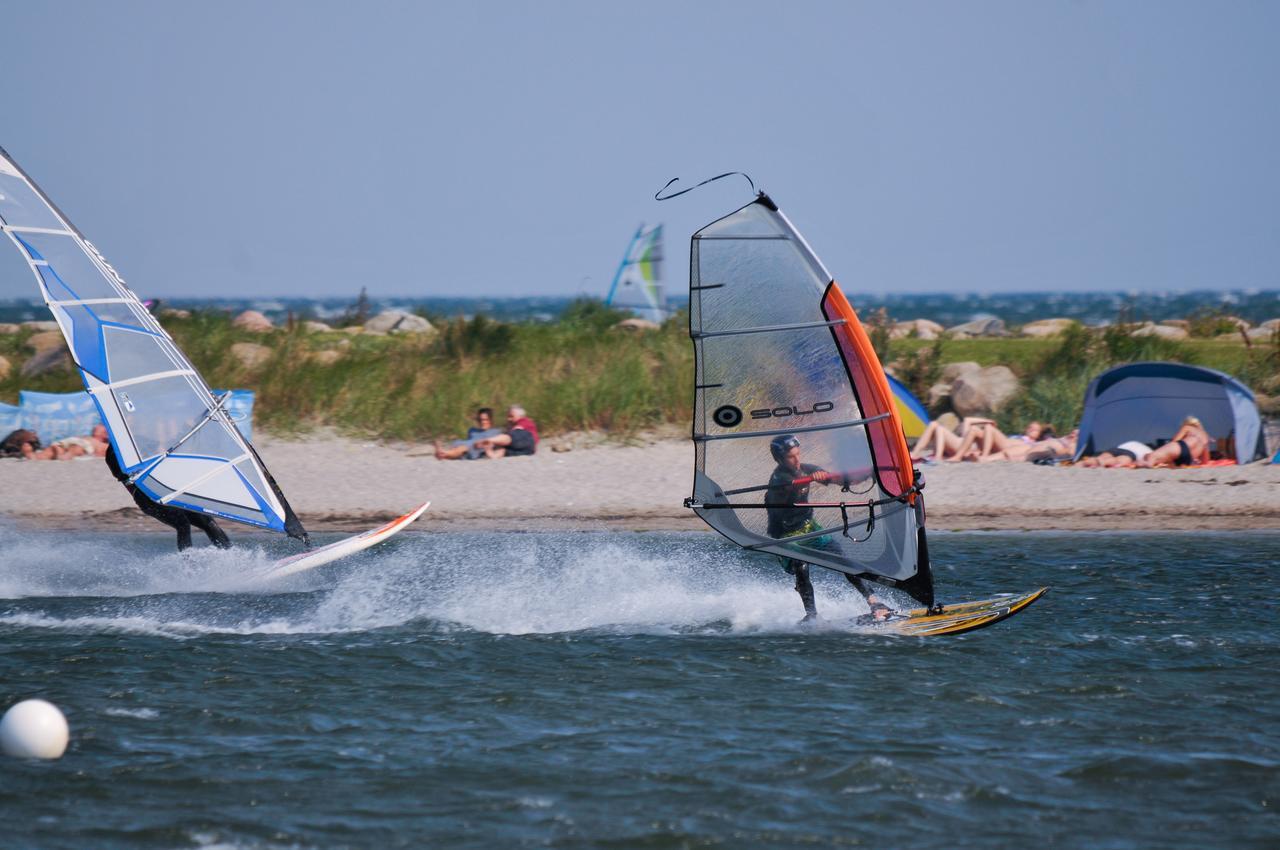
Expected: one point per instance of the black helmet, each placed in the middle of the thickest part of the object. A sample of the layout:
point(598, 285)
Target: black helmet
point(782, 444)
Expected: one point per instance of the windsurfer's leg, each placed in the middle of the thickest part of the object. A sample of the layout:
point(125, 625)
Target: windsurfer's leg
point(804, 587)
point(212, 530)
point(879, 610)
point(175, 518)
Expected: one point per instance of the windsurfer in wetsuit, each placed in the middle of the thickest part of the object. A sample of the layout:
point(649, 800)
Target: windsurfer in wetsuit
point(789, 517)
point(176, 518)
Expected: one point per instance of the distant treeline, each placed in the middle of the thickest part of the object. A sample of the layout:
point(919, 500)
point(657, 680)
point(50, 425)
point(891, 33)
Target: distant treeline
point(1089, 308)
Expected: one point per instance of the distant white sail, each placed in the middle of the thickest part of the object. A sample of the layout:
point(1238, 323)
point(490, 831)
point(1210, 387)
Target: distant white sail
point(169, 432)
point(637, 286)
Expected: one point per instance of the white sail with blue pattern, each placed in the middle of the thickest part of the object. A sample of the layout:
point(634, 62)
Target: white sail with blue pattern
point(170, 433)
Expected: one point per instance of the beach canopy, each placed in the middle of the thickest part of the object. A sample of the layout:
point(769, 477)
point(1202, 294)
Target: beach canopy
point(1148, 402)
point(913, 414)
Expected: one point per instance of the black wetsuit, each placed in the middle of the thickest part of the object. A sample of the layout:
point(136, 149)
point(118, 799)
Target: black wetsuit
point(179, 519)
point(785, 519)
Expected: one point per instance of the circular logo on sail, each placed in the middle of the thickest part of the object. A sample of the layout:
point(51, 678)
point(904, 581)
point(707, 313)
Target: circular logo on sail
point(727, 416)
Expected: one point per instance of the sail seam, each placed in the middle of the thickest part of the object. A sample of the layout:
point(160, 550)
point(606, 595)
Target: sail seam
point(763, 329)
point(703, 438)
point(141, 379)
point(18, 228)
point(191, 485)
point(71, 302)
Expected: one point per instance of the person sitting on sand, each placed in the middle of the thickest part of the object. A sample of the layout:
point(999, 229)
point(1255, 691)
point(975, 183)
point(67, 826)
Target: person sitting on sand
point(1191, 446)
point(993, 440)
point(943, 441)
point(467, 448)
point(519, 439)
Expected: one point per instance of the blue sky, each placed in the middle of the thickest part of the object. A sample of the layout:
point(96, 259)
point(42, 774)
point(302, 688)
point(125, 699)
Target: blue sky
point(436, 149)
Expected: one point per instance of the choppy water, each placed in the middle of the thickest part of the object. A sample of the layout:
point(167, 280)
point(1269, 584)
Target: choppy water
point(628, 690)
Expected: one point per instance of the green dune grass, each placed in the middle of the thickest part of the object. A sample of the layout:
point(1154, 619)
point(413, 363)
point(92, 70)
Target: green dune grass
point(581, 373)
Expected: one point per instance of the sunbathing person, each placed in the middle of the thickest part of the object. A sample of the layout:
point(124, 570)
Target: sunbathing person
point(27, 444)
point(20, 443)
point(1189, 447)
point(993, 440)
point(1127, 455)
point(520, 437)
point(467, 448)
point(1047, 449)
point(943, 441)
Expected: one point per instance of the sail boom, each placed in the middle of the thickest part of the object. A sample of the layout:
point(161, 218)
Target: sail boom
point(799, 429)
point(220, 469)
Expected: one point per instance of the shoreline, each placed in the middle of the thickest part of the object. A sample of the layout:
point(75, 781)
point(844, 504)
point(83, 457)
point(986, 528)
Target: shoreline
point(340, 484)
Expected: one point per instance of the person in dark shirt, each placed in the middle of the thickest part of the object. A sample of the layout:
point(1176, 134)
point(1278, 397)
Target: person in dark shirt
point(518, 440)
point(789, 517)
point(179, 519)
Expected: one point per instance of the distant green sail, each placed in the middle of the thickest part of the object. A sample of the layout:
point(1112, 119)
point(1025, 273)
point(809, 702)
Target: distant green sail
point(637, 285)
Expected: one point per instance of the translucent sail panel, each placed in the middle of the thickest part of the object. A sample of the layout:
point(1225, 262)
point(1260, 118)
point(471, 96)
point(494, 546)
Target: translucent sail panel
point(166, 427)
point(779, 353)
point(638, 283)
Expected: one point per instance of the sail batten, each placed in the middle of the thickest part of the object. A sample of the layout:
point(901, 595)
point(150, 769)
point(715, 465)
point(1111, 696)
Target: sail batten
point(165, 425)
point(789, 398)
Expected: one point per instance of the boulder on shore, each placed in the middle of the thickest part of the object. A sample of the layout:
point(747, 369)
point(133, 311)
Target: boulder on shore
point(316, 327)
point(5, 367)
point(253, 321)
point(920, 328)
point(250, 355)
point(40, 326)
point(9, 328)
point(979, 327)
point(397, 321)
point(46, 340)
point(951, 371)
point(636, 325)
point(1047, 327)
point(327, 357)
point(984, 391)
point(1162, 331)
point(49, 360)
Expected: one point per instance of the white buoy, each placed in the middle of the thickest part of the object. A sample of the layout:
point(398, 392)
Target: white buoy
point(34, 729)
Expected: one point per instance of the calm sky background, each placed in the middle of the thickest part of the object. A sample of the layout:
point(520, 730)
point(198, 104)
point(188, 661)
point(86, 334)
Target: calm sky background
point(473, 148)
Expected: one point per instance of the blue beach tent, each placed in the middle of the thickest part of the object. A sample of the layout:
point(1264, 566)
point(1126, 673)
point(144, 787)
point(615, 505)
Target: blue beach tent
point(1148, 401)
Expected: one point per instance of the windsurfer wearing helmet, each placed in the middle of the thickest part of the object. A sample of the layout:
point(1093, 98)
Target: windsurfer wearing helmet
point(789, 517)
point(178, 519)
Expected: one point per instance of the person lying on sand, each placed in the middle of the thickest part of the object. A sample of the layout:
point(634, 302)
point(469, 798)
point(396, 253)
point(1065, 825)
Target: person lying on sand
point(20, 443)
point(1127, 455)
point(520, 438)
point(1048, 448)
point(27, 444)
point(1191, 446)
point(467, 448)
point(988, 440)
point(942, 441)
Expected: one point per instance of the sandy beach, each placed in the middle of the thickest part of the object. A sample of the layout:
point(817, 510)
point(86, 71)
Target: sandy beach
point(341, 484)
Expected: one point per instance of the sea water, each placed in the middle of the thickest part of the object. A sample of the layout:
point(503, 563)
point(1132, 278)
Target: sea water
point(640, 690)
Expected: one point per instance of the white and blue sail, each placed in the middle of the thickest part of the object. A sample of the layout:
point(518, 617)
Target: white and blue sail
point(171, 434)
point(637, 285)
